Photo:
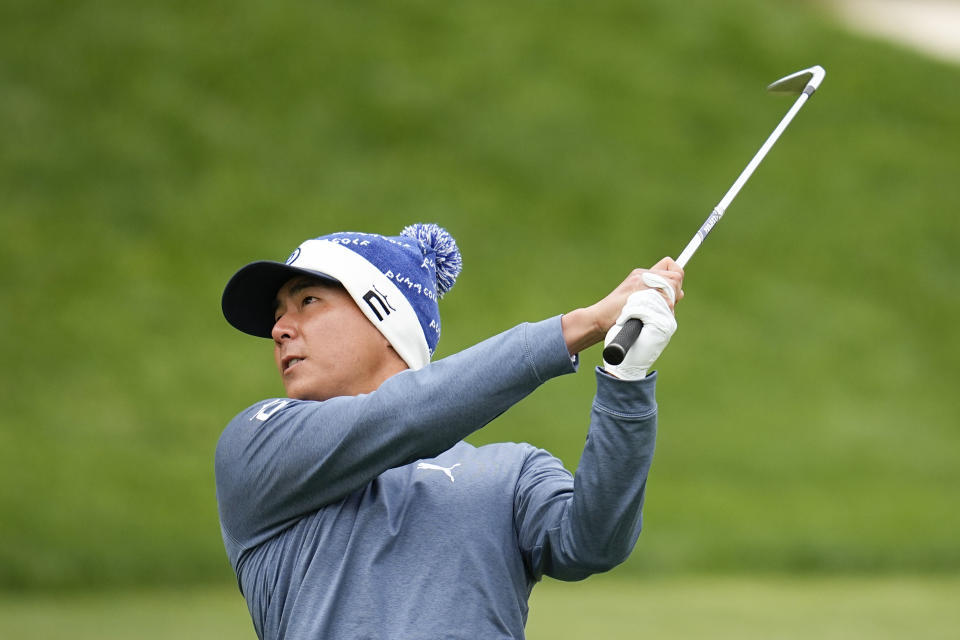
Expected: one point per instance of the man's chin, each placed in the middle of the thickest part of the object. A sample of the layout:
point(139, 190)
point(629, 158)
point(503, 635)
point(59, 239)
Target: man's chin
point(296, 391)
point(302, 392)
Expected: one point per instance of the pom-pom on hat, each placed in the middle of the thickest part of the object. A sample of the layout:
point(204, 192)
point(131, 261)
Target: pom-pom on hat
point(395, 280)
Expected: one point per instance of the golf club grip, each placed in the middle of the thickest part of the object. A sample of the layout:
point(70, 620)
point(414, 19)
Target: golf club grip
point(616, 351)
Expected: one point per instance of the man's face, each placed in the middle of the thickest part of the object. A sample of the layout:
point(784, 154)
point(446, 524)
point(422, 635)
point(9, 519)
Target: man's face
point(323, 344)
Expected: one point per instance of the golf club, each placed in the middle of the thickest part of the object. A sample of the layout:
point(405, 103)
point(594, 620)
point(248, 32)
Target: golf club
point(804, 83)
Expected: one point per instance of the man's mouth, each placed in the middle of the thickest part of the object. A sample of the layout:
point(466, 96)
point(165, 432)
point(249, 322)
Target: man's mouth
point(290, 361)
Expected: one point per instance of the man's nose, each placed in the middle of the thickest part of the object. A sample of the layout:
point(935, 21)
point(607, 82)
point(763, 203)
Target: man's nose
point(283, 329)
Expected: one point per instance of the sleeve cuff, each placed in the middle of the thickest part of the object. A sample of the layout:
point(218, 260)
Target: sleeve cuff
point(626, 398)
point(546, 350)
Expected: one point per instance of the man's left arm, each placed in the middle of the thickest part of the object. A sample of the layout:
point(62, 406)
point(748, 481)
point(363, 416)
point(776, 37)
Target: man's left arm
point(569, 528)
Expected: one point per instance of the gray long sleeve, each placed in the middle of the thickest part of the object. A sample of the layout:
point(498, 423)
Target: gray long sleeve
point(571, 530)
point(368, 517)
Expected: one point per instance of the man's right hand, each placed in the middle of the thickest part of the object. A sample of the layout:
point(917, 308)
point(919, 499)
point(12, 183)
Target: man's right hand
point(583, 328)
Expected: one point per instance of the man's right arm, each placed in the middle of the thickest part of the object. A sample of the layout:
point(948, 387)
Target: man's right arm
point(282, 459)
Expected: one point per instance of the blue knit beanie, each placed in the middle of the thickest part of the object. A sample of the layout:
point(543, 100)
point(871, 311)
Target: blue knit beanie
point(395, 280)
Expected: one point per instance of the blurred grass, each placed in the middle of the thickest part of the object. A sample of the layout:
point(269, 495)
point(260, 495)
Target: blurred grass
point(743, 607)
point(809, 420)
point(188, 613)
point(747, 607)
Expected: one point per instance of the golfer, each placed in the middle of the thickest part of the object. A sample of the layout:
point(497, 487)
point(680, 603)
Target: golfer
point(352, 507)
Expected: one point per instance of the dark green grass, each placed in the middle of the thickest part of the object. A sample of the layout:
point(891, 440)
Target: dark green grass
point(809, 420)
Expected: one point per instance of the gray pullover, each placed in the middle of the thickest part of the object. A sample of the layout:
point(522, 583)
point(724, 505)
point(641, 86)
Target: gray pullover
point(368, 517)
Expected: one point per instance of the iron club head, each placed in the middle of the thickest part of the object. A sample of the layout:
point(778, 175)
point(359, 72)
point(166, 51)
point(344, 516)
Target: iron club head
point(806, 81)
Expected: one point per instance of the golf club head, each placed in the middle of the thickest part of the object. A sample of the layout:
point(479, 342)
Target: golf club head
point(806, 81)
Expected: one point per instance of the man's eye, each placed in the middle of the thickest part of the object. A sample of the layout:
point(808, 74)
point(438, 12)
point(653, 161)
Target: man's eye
point(308, 299)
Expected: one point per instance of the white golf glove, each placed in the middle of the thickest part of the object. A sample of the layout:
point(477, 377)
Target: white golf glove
point(659, 324)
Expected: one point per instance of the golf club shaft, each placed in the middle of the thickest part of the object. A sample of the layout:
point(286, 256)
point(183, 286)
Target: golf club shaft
point(615, 352)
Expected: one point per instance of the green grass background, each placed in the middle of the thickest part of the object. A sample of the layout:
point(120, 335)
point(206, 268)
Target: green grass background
point(809, 413)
